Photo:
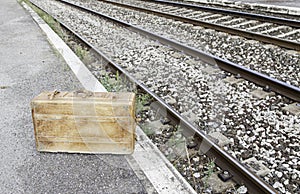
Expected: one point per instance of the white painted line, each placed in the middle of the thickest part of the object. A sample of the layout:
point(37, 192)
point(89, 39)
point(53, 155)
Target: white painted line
point(85, 77)
point(147, 157)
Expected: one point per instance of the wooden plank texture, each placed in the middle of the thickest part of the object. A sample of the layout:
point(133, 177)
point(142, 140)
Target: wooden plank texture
point(84, 122)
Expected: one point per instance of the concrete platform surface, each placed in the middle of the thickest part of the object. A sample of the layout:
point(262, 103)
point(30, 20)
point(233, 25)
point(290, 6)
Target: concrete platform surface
point(29, 66)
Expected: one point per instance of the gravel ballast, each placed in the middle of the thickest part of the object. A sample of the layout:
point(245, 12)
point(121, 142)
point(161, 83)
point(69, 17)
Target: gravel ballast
point(270, 60)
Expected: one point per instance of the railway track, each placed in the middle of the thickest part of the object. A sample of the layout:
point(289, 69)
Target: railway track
point(280, 31)
point(225, 161)
point(219, 44)
point(282, 12)
point(260, 17)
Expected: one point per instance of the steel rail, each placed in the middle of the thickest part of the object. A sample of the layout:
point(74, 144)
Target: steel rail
point(265, 18)
point(263, 80)
point(223, 159)
point(240, 32)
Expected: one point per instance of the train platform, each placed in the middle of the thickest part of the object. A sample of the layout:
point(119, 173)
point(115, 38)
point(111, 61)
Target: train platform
point(34, 59)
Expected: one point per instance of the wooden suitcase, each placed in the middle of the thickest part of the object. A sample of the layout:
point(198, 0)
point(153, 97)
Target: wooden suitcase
point(84, 122)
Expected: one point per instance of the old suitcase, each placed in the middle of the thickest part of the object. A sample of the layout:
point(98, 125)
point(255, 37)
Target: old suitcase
point(84, 122)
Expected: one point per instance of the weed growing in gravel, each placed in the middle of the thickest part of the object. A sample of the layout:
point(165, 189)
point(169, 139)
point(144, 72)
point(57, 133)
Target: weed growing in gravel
point(209, 172)
point(112, 84)
point(176, 140)
point(141, 101)
point(80, 52)
point(211, 167)
point(106, 83)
